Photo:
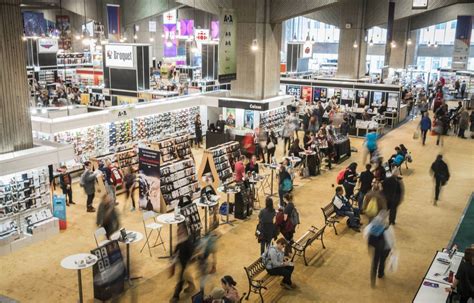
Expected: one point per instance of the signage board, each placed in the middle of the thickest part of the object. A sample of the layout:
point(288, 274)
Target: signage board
point(462, 41)
point(293, 90)
point(149, 167)
point(201, 35)
point(47, 45)
point(119, 56)
point(258, 106)
point(420, 4)
point(152, 26)
point(170, 17)
point(227, 45)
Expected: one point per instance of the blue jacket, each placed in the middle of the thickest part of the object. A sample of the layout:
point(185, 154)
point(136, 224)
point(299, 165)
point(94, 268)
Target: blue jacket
point(398, 159)
point(371, 139)
point(425, 123)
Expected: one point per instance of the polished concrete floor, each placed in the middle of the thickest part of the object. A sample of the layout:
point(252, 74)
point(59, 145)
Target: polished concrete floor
point(339, 273)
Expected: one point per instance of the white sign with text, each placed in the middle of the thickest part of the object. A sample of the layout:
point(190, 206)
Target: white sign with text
point(119, 56)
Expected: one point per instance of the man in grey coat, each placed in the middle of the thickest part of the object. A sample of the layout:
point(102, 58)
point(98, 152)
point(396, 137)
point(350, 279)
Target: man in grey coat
point(88, 179)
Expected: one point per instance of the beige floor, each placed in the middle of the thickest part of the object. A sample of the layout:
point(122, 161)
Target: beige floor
point(340, 273)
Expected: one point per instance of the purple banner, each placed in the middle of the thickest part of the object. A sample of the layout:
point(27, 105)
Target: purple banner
point(113, 22)
point(186, 27)
point(214, 30)
point(170, 48)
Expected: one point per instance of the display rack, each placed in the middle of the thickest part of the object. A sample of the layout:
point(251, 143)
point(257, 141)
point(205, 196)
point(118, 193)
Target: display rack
point(192, 219)
point(178, 179)
point(219, 161)
point(273, 119)
point(125, 159)
point(176, 147)
point(25, 204)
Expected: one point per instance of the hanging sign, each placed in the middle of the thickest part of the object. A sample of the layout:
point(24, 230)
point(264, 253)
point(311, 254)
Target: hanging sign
point(169, 17)
point(149, 167)
point(152, 26)
point(118, 55)
point(201, 35)
point(47, 45)
point(420, 4)
point(186, 27)
point(113, 22)
point(227, 45)
point(462, 40)
point(307, 49)
point(214, 30)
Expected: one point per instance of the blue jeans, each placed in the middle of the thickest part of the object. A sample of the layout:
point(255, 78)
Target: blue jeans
point(353, 215)
point(360, 200)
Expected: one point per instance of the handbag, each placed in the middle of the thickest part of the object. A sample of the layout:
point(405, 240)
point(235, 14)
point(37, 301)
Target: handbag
point(372, 208)
point(270, 145)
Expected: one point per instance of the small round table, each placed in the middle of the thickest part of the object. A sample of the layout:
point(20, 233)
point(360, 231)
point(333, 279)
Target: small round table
point(79, 262)
point(228, 191)
point(293, 160)
point(206, 206)
point(132, 237)
point(170, 220)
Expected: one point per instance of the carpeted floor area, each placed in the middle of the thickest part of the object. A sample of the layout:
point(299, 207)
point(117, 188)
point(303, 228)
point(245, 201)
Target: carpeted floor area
point(464, 236)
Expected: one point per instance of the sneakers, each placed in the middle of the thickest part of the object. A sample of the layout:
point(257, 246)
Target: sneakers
point(286, 286)
point(91, 210)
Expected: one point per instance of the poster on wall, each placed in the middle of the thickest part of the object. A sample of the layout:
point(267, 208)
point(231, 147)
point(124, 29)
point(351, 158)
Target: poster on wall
point(149, 178)
point(186, 27)
point(215, 30)
point(307, 93)
point(65, 34)
point(119, 55)
point(377, 99)
point(392, 100)
point(34, 24)
point(227, 46)
point(330, 92)
point(249, 119)
point(170, 48)
point(109, 272)
point(293, 90)
point(113, 22)
point(230, 117)
point(47, 45)
point(462, 40)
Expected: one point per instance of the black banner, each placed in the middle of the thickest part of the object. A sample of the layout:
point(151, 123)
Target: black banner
point(149, 178)
point(259, 106)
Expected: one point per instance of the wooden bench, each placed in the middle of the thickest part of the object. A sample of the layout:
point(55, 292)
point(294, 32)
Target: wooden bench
point(258, 278)
point(330, 216)
point(300, 245)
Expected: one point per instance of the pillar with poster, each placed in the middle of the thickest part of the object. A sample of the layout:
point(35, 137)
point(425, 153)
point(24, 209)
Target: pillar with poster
point(149, 178)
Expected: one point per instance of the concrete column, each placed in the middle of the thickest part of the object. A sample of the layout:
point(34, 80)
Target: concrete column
point(412, 49)
point(351, 60)
point(402, 52)
point(390, 24)
point(15, 122)
point(258, 73)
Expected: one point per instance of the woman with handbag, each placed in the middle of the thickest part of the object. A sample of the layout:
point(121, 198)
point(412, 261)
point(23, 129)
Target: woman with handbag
point(272, 142)
point(266, 230)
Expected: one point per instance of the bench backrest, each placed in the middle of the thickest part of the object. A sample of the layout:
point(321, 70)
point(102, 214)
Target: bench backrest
point(255, 268)
point(328, 210)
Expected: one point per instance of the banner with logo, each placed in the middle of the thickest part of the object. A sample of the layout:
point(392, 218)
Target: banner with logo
point(63, 24)
point(308, 49)
point(462, 40)
point(227, 45)
point(170, 17)
point(186, 27)
point(113, 22)
point(170, 48)
point(149, 178)
point(47, 45)
point(119, 55)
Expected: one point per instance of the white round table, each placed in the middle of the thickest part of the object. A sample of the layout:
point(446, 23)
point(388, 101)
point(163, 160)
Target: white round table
point(206, 206)
point(79, 262)
point(228, 191)
point(170, 220)
point(132, 237)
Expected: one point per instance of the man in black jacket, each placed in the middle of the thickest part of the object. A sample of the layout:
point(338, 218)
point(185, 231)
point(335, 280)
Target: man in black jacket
point(392, 188)
point(440, 171)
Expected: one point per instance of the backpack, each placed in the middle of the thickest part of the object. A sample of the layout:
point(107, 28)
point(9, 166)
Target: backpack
point(116, 176)
point(340, 176)
point(295, 217)
point(286, 185)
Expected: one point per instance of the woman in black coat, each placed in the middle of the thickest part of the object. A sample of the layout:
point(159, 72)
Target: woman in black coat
point(271, 147)
point(198, 130)
point(266, 225)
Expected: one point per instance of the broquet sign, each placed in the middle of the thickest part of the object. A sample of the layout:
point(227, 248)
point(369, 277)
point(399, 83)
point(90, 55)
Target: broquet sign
point(119, 56)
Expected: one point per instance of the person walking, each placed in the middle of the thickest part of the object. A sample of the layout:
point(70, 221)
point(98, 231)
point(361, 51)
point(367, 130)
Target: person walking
point(463, 88)
point(266, 225)
point(131, 185)
point(370, 144)
point(463, 123)
point(291, 218)
point(107, 216)
point(440, 172)
point(379, 246)
point(65, 181)
point(285, 184)
point(198, 130)
point(393, 191)
point(88, 180)
point(425, 126)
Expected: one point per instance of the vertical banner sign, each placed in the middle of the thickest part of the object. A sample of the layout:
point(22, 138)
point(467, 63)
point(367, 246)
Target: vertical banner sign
point(170, 17)
point(113, 22)
point(214, 30)
point(63, 24)
point(462, 41)
point(307, 94)
point(152, 26)
point(109, 271)
point(227, 46)
point(149, 178)
point(186, 27)
point(170, 48)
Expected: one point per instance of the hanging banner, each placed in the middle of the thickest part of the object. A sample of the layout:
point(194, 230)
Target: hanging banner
point(170, 17)
point(186, 27)
point(119, 55)
point(227, 46)
point(149, 178)
point(462, 40)
point(307, 94)
point(215, 30)
point(113, 22)
point(152, 26)
point(34, 24)
point(63, 24)
point(170, 48)
point(201, 36)
point(308, 49)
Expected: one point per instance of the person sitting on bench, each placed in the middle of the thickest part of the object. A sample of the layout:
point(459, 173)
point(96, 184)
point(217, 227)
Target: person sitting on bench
point(345, 209)
point(396, 159)
point(276, 263)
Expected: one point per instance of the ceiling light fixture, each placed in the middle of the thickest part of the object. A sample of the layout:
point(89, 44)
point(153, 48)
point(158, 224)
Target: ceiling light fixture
point(409, 42)
point(254, 46)
point(393, 44)
point(371, 42)
point(152, 39)
point(355, 45)
point(436, 44)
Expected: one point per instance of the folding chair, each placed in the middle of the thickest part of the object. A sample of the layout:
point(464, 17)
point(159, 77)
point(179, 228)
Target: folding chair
point(100, 233)
point(152, 226)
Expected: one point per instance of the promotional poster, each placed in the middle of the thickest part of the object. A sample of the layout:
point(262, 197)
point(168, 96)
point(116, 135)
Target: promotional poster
point(149, 178)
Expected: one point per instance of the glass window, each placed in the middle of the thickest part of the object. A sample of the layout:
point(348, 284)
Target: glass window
point(453, 24)
point(441, 26)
